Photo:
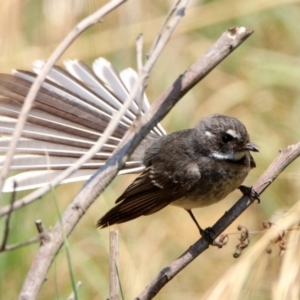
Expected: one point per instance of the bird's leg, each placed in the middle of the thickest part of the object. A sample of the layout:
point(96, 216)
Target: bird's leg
point(249, 191)
point(205, 233)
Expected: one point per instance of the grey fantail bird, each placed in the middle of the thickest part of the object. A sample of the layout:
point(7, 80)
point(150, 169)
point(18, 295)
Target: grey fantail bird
point(190, 168)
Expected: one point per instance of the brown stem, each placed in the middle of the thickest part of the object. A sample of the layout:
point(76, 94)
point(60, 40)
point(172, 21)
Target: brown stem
point(114, 284)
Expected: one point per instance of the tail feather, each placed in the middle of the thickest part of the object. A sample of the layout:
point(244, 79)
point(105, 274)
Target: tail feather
point(130, 209)
point(71, 111)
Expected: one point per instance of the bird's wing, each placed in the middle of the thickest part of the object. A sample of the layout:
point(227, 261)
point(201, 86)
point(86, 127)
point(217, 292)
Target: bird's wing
point(154, 189)
point(70, 113)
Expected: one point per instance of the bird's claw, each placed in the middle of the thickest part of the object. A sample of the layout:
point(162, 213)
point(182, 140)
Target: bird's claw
point(249, 191)
point(208, 234)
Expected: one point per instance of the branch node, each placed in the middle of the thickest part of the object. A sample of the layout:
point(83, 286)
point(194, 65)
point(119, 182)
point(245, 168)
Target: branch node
point(44, 235)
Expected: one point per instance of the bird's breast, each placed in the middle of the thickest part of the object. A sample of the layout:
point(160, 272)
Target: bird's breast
point(216, 182)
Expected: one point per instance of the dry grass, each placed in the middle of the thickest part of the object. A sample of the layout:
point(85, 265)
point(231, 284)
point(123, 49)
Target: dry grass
point(259, 84)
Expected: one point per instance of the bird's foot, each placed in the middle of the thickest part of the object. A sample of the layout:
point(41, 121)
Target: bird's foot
point(208, 234)
point(249, 191)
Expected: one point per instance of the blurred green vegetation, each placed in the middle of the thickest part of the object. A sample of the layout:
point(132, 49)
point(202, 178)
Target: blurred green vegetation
point(258, 83)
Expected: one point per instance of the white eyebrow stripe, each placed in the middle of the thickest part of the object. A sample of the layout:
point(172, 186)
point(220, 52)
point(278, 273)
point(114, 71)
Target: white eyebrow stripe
point(209, 134)
point(233, 133)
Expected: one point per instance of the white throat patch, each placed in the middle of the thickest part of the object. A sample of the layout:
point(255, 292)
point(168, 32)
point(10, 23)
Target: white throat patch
point(228, 156)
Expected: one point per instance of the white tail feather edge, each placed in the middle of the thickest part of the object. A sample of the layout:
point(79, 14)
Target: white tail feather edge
point(102, 89)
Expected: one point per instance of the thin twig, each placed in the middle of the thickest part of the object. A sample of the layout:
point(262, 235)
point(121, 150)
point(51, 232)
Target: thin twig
point(171, 11)
point(42, 237)
point(114, 286)
point(279, 164)
point(139, 63)
point(139, 52)
point(7, 221)
point(79, 28)
point(22, 244)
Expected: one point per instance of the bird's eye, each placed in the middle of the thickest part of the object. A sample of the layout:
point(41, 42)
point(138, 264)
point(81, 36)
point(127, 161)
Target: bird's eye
point(227, 138)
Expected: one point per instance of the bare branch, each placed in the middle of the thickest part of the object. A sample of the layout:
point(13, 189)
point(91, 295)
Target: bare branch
point(233, 282)
point(279, 164)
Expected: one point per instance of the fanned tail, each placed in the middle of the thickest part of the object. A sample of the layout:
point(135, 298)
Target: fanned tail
point(70, 113)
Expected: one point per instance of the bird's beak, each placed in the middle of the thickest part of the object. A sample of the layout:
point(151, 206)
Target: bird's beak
point(251, 147)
